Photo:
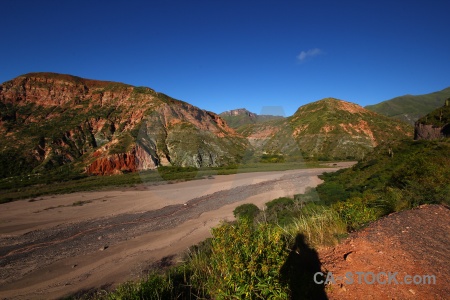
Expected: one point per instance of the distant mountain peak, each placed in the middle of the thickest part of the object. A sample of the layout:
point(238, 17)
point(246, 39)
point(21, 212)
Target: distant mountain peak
point(237, 112)
point(332, 104)
point(241, 116)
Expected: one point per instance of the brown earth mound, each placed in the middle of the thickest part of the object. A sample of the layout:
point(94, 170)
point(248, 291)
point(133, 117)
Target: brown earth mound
point(414, 242)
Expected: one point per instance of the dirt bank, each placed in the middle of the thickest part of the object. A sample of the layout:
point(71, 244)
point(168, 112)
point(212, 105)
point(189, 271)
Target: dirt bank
point(414, 242)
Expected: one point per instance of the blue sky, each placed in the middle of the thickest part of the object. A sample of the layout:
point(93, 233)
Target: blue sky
point(220, 55)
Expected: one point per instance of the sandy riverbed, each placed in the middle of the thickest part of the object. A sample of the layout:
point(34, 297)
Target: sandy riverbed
point(50, 248)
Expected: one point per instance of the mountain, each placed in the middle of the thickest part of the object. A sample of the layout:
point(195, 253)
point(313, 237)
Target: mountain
point(410, 108)
point(50, 120)
point(326, 129)
point(434, 125)
point(241, 116)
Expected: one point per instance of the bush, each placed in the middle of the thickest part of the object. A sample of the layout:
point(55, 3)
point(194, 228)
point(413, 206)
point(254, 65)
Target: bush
point(248, 211)
point(245, 262)
point(355, 212)
point(281, 210)
point(332, 192)
point(272, 158)
point(174, 284)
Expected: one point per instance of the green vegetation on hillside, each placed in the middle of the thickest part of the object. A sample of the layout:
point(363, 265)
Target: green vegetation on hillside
point(244, 117)
point(410, 108)
point(51, 121)
point(438, 117)
point(391, 179)
point(329, 129)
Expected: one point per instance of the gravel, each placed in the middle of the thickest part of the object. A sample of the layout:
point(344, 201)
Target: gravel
point(26, 252)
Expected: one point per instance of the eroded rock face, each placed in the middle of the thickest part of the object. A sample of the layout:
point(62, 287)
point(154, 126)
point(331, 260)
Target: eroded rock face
point(49, 89)
point(109, 127)
point(137, 159)
point(113, 164)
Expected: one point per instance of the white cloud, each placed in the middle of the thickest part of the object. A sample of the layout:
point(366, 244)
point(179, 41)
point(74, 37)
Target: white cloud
point(304, 55)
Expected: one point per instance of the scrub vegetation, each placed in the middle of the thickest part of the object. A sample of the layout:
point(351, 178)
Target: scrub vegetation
point(243, 259)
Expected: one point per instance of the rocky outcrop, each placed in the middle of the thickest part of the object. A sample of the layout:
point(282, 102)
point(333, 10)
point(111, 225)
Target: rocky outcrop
point(50, 89)
point(136, 160)
point(434, 125)
point(428, 132)
point(113, 164)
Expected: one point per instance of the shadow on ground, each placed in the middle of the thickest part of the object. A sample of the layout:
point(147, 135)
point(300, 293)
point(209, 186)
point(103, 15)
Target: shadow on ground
point(299, 269)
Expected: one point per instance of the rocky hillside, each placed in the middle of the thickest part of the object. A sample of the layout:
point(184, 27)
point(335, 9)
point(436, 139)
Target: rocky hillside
point(410, 108)
point(50, 121)
point(326, 129)
point(241, 116)
point(434, 125)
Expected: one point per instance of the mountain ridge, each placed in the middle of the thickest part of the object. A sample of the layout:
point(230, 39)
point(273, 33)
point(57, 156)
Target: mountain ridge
point(50, 121)
point(326, 129)
point(60, 119)
point(409, 108)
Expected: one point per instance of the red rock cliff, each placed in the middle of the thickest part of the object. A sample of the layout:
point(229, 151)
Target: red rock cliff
point(54, 119)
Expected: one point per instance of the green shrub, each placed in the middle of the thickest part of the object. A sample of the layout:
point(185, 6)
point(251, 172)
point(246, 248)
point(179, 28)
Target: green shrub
point(248, 210)
point(156, 286)
point(280, 211)
point(272, 158)
point(245, 262)
point(279, 203)
point(355, 212)
point(332, 192)
point(394, 200)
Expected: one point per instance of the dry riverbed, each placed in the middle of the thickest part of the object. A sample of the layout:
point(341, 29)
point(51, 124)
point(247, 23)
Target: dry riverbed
point(58, 245)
